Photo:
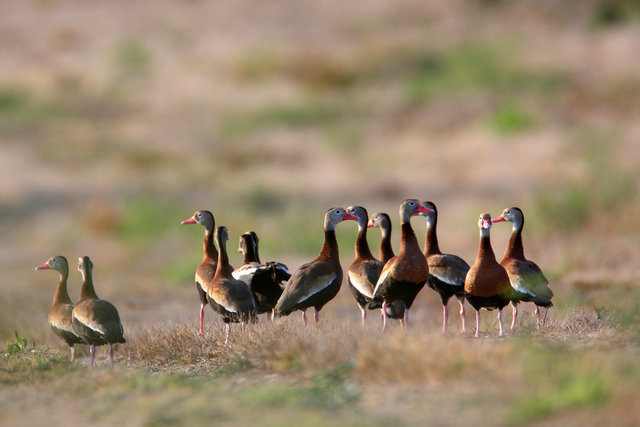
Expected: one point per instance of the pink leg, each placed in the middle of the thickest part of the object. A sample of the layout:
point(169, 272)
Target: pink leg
point(92, 350)
point(316, 317)
point(406, 318)
point(73, 353)
point(477, 335)
point(242, 328)
point(501, 334)
point(384, 316)
point(273, 315)
point(537, 317)
point(201, 331)
point(461, 302)
point(363, 315)
point(445, 318)
point(514, 316)
point(304, 317)
point(111, 354)
point(227, 333)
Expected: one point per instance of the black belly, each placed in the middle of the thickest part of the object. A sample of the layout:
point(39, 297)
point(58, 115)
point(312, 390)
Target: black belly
point(69, 337)
point(266, 290)
point(229, 316)
point(489, 303)
point(319, 299)
point(361, 299)
point(202, 294)
point(393, 290)
point(445, 290)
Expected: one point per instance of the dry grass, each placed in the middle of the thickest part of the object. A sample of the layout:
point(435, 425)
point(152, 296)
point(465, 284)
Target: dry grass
point(118, 121)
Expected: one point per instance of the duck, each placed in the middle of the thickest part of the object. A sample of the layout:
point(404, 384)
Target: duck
point(404, 275)
point(227, 296)
point(447, 272)
point(365, 269)
point(525, 276)
point(486, 284)
point(207, 268)
point(381, 220)
point(266, 280)
point(316, 283)
point(94, 319)
point(60, 312)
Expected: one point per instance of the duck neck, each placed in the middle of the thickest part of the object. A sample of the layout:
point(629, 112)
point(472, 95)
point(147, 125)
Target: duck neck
point(386, 251)
point(209, 251)
point(431, 246)
point(408, 240)
point(87, 291)
point(362, 247)
point(515, 248)
point(485, 245)
point(250, 254)
point(223, 269)
point(62, 296)
point(330, 246)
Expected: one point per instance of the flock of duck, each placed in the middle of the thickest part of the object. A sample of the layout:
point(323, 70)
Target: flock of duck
point(390, 283)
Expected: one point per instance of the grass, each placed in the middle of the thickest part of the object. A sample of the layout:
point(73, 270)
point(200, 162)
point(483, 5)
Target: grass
point(144, 219)
point(305, 115)
point(605, 189)
point(472, 68)
point(510, 119)
point(131, 57)
point(580, 360)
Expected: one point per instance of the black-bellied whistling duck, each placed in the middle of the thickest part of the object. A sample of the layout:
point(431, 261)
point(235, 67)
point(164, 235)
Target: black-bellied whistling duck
point(229, 297)
point(364, 271)
point(395, 310)
point(316, 283)
point(446, 271)
point(94, 319)
point(207, 268)
point(404, 275)
point(382, 220)
point(266, 280)
point(487, 284)
point(60, 313)
point(525, 276)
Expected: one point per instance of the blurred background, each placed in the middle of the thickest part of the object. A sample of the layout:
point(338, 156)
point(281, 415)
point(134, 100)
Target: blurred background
point(119, 120)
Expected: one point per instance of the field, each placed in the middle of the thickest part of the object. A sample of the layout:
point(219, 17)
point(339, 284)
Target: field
point(118, 121)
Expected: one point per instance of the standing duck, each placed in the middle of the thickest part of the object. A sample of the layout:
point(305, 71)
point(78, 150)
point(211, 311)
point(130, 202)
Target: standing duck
point(487, 284)
point(229, 297)
point(60, 313)
point(364, 271)
point(446, 271)
point(265, 280)
point(404, 275)
point(94, 319)
point(207, 268)
point(525, 276)
point(395, 310)
point(382, 221)
point(316, 283)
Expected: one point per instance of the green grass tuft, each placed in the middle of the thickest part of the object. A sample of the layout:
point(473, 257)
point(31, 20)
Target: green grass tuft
point(510, 119)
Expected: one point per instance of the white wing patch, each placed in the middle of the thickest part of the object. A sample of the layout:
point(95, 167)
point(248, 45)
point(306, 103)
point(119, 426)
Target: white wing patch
point(62, 327)
point(244, 273)
point(321, 283)
point(91, 325)
point(381, 279)
point(201, 282)
point(362, 285)
point(515, 284)
point(445, 279)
